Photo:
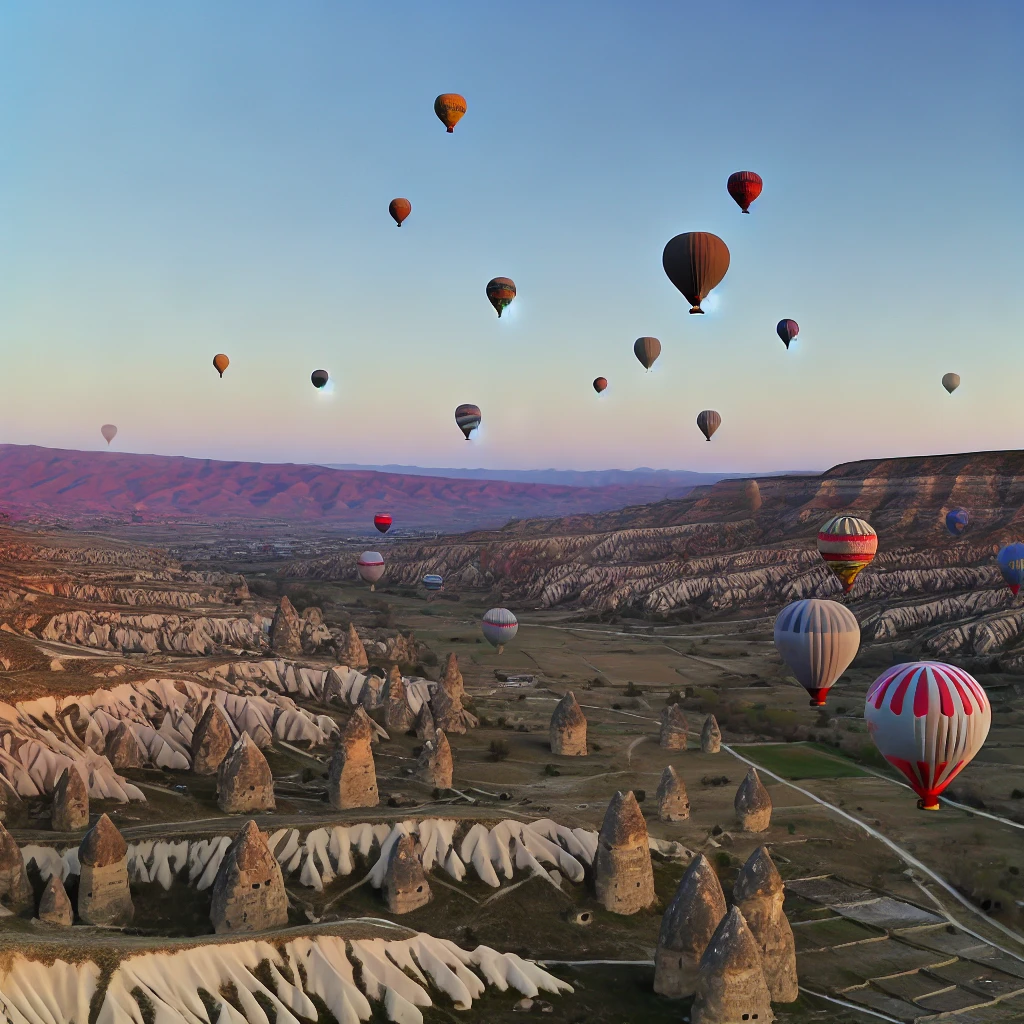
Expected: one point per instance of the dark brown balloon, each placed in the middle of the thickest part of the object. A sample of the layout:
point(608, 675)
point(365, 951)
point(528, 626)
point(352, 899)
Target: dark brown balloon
point(708, 421)
point(647, 351)
point(695, 262)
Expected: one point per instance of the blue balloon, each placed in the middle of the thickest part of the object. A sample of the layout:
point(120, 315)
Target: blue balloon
point(957, 520)
point(1011, 565)
point(433, 582)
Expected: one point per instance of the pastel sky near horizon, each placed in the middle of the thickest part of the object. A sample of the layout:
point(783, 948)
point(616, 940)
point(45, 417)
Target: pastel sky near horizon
point(178, 180)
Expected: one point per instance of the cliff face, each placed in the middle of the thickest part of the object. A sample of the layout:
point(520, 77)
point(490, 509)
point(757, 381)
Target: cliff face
point(708, 554)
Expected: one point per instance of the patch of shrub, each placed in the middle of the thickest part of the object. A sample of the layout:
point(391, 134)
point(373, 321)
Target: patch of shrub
point(550, 769)
point(632, 690)
point(498, 750)
point(722, 859)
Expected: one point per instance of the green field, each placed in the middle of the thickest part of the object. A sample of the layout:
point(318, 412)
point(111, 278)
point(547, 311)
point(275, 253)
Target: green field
point(801, 761)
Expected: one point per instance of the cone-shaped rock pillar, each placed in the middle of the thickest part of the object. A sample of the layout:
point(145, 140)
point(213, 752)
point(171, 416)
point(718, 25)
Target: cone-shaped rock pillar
point(623, 875)
point(710, 736)
point(70, 809)
point(673, 728)
point(405, 883)
point(753, 804)
point(54, 905)
point(211, 741)
point(104, 896)
point(569, 728)
point(248, 892)
point(244, 781)
point(352, 776)
point(673, 803)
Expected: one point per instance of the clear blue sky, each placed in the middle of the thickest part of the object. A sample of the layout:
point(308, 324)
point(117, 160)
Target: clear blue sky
point(188, 178)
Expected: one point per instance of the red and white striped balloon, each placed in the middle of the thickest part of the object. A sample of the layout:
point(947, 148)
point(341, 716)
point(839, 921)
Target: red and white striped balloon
point(928, 720)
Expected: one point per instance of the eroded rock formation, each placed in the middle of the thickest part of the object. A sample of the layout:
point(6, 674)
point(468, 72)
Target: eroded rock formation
point(70, 809)
point(436, 764)
point(405, 883)
point(244, 781)
point(351, 651)
point(673, 728)
point(54, 905)
point(352, 777)
point(623, 874)
point(122, 748)
point(398, 716)
point(568, 731)
point(286, 629)
point(104, 896)
point(673, 803)
point(710, 736)
point(248, 892)
point(15, 889)
point(753, 803)
point(211, 741)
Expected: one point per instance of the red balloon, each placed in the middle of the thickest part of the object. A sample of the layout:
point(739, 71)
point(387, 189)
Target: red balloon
point(745, 187)
point(600, 383)
point(399, 210)
point(382, 522)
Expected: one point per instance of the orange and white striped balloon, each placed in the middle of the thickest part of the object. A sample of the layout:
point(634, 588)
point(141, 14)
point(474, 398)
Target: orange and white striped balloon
point(928, 720)
point(847, 544)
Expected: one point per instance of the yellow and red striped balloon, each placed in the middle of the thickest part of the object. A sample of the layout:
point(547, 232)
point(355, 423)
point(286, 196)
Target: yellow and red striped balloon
point(847, 544)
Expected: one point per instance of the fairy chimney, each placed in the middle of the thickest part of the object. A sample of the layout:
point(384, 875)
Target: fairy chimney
point(673, 803)
point(244, 781)
point(15, 889)
point(623, 876)
point(759, 893)
point(730, 983)
point(446, 707)
point(405, 883)
point(673, 728)
point(11, 805)
point(352, 778)
point(710, 736)
point(369, 695)
point(54, 905)
point(351, 651)
point(211, 740)
point(122, 748)
point(425, 728)
point(398, 716)
point(452, 677)
point(569, 728)
point(248, 892)
point(687, 926)
point(104, 896)
point(753, 804)
point(436, 764)
point(70, 809)
point(286, 629)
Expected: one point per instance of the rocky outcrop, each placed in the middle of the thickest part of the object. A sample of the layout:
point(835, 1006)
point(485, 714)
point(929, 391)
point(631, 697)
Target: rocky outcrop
point(70, 809)
point(451, 677)
point(436, 765)
point(211, 741)
point(15, 889)
point(687, 927)
point(759, 894)
point(730, 983)
point(753, 804)
point(350, 650)
point(54, 905)
point(104, 896)
point(286, 629)
point(673, 728)
point(398, 715)
point(405, 883)
point(673, 803)
point(447, 710)
point(425, 728)
point(623, 874)
point(710, 736)
point(244, 781)
point(568, 731)
point(248, 892)
point(122, 748)
point(352, 777)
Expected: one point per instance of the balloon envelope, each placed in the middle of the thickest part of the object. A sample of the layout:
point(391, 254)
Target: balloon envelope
point(951, 381)
point(399, 210)
point(817, 640)
point(450, 107)
point(319, 378)
point(468, 418)
point(647, 351)
point(499, 626)
point(433, 582)
point(695, 262)
point(928, 720)
point(957, 520)
point(220, 363)
point(752, 495)
point(1011, 565)
point(500, 292)
point(370, 566)
point(744, 187)
point(382, 521)
point(787, 330)
point(708, 421)
point(847, 544)
point(600, 383)
point(109, 432)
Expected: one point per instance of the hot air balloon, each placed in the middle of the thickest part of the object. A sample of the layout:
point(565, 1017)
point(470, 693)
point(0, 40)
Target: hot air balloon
point(708, 421)
point(928, 720)
point(695, 263)
point(220, 363)
point(468, 418)
point(647, 351)
point(817, 640)
point(399, 209)
point(382, 521)
point(951, 381)
point(499, 626)
point(319, 378)
point(957, 520)
point(500, 292)
point(450, 107)
point(371, 567)
point(109, 432)
point(787, 330)
point(1011, 565)
point(847, 544)
point(744, 187)
point(752, 495)
point(600, 383)
point(433, 582)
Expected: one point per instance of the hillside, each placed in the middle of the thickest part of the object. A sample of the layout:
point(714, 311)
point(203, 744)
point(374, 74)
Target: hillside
point(45, 483)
